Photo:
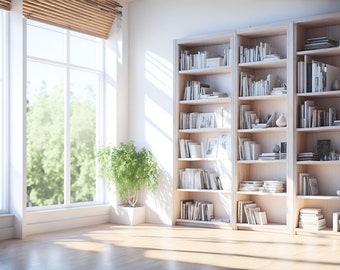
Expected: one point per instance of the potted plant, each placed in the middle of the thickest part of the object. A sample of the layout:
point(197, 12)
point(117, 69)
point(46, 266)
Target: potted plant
point(129, 169)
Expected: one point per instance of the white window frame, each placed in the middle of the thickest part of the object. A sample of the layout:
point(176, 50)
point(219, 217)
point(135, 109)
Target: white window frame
point(100, 186)
point(4, 101)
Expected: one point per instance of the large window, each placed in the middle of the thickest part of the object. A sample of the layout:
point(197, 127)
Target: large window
point(3, 112)
point(64, 86)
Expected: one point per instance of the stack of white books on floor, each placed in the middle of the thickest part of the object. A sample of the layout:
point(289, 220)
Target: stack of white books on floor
point(312, 219)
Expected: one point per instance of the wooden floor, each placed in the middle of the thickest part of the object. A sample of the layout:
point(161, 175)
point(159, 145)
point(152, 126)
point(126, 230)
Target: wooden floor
point(161, 247)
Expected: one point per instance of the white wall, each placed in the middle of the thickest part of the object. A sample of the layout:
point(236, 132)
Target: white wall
point(153, 26)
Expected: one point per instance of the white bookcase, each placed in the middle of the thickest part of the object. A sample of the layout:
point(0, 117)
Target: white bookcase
point(255, 106)
point(261, 59)
point(215, 139)
point(326, 171)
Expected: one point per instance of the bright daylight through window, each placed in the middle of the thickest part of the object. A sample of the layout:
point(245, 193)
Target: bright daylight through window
point(64, 73)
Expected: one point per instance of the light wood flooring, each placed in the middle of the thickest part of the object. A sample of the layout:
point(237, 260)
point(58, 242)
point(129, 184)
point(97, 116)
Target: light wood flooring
point(160, 247)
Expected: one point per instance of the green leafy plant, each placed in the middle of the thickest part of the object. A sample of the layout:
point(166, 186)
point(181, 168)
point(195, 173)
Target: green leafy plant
point(128, 169)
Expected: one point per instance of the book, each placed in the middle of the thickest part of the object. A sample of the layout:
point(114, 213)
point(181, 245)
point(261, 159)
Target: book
point(211, 147)
point(261, 218)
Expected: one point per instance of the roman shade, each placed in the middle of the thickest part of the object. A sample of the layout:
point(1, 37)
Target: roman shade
point(93, 17)
point(5, 4)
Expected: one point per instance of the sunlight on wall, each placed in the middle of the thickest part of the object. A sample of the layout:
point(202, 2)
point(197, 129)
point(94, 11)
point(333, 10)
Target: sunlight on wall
point(158, 125)
point(158, 71)
point(158, 109)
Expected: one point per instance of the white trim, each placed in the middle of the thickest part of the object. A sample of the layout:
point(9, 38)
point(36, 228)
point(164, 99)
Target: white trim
point(4, 100)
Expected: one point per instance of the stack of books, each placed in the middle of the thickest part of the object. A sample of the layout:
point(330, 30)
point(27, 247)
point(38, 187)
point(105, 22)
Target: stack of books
point(273, 186)
point(251, 185)
point(269, 156)
point(307, 156)
point(320, 43)
point(266, 186)
point(312, 219)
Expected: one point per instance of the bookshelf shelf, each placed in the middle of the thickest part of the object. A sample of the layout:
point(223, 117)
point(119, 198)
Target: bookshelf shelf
point(321, 233)
point(321, 52)
point(319, 129)
point(272, 227)
point(245, 105)
point(275, 161)
point(205, 101)
point(207, 224)
point(273, 63)
point(267, 97)
point(204, 130)
point(325, 94)
point(263, 130)
point(319, 163)
point(319, 197)
point(284, 194)
point(203, 190)
point(207, 71)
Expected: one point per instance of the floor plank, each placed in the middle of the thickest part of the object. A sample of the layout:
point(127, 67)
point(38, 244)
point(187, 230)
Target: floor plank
point(161, 247)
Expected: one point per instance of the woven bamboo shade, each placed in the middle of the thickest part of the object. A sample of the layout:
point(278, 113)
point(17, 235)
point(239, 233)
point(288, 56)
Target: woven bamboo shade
point(93, 17)
point(5, 4)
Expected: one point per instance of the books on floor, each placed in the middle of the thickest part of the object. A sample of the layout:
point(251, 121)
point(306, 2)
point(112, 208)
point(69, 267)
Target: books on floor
point(311, 219)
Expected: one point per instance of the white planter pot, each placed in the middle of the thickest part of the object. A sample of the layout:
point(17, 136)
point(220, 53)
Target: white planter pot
point(126, 215)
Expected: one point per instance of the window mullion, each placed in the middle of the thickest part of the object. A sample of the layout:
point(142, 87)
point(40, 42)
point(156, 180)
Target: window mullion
point(67, 154)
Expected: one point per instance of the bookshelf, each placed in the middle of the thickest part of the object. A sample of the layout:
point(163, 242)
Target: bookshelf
point(263, 161)
point(204, 65)
point(254, 106)
point(325, 169)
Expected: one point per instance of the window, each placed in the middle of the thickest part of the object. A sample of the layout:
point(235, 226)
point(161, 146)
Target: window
point(3, 113)
point(64, 86)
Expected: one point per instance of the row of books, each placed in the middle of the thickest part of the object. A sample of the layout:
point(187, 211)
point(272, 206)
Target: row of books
point(213, 147)
point(197, 178)
point(251, 119)
point(308, 184)
point(250, 150)
point(195, 90)
point(320, 43)
point(249, 212)
point(311, 219)
point(250, 85)
point(315, 76)
point(311, 115)
point(204, 59)
point(260, 52)
point(265, 186)
point(197, 210)
point(200, 120)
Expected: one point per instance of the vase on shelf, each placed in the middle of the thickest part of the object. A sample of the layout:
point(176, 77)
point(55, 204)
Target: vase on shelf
point(281, 121)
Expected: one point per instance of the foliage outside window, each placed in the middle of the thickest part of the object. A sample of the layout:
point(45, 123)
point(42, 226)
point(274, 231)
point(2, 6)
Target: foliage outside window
point(64, 73)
